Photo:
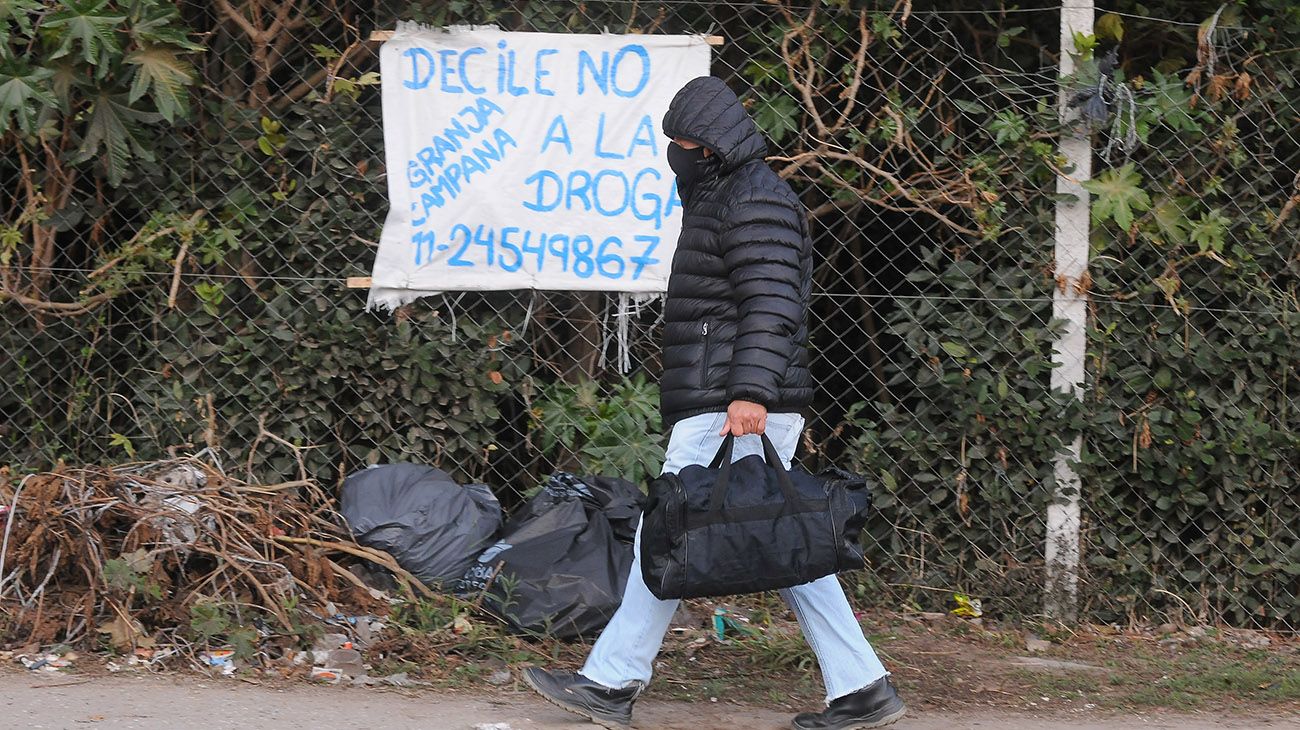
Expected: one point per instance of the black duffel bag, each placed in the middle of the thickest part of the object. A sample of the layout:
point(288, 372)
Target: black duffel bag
point(749, 526)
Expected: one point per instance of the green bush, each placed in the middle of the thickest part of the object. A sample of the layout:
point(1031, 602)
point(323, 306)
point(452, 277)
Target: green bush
point(619, 435)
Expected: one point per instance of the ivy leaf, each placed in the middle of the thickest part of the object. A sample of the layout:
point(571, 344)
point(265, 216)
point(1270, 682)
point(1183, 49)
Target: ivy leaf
point(23, 92)
point(17, 11)
point(84, 21)
point(1009, 126)
point(1170, 103)
point(1210, 231)
point(1170, 216)
point(118, 439)
point(956, 349)
point(325, 53)
point(1110, 27)
point(164, 75)
point(114, 126)
point(777, 115)
point(67, 76)
point(158, 24)
point(1119, 193)
point(1085, 45)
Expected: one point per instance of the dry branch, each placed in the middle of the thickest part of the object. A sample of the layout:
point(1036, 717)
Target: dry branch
point(75, 534)
point(926, 188)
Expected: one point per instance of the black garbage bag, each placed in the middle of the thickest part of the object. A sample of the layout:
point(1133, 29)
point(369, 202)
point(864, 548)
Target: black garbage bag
point(432, 526)
point(563, 558)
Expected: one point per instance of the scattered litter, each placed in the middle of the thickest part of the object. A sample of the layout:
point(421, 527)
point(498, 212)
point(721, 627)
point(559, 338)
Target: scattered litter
point(223, 659)
point(49, 662)
point(188, 505)
point(326, 675)
point(366, 627)
point(347, 661)
point(151, 657)
point(967, 607)
point(330, 642)
point(726, 618)
point(184, 476)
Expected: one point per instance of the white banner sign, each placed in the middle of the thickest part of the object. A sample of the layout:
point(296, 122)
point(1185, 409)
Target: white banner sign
point(528, 160)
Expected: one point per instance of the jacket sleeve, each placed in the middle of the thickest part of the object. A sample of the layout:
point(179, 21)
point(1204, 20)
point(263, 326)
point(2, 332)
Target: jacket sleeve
point(762, 243)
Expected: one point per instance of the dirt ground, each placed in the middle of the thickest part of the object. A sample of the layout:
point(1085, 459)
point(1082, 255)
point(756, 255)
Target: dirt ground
point(34, 701)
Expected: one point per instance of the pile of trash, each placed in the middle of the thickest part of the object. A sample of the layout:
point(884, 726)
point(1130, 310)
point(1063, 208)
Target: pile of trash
point(175, 562)
point(557, 568)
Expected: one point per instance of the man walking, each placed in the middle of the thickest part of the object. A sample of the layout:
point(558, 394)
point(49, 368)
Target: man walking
point(735, 361)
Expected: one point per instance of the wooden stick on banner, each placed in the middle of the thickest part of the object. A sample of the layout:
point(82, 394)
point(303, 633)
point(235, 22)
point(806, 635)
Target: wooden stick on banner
point(379, 36)
point(358, 282)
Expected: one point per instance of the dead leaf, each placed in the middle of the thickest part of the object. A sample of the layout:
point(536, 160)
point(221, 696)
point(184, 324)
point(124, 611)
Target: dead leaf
point(495, 377)
point(1241, 89)
point(122, 632)
point(139, 561)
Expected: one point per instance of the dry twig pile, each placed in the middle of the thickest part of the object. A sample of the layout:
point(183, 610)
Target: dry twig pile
point(124, 555)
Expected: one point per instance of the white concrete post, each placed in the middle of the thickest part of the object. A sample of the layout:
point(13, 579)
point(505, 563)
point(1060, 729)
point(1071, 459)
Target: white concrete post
point(1070, 306)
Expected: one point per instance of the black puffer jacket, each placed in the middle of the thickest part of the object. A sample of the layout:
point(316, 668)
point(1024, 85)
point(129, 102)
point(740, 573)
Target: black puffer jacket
point(737, 300)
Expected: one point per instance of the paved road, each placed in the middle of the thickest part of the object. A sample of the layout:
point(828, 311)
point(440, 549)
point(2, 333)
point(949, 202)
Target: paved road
point(45, 702)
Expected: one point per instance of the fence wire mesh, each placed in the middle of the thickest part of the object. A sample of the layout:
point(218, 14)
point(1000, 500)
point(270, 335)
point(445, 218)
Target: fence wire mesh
point(175, 282)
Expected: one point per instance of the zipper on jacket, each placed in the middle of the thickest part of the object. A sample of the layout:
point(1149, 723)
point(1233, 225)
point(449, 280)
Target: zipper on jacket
point(704, 358)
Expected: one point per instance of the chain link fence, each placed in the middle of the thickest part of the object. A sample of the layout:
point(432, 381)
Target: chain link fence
point(174, 257)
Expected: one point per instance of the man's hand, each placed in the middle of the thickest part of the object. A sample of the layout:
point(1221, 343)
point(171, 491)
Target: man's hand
point(744, 417)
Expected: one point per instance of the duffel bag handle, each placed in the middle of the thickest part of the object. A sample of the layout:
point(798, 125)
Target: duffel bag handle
point(724, 452)
point(722, 462)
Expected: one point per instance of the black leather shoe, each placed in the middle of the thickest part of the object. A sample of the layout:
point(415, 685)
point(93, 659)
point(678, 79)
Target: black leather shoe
point(876, 706)
point(609, 708)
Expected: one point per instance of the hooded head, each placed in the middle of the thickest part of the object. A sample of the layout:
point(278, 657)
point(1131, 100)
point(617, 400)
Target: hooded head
point(707, 111)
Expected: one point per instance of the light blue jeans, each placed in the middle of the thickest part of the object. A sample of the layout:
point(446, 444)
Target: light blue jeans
point(625, 652)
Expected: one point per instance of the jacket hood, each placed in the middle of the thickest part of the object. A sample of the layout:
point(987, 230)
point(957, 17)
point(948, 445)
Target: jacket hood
point(707, 111)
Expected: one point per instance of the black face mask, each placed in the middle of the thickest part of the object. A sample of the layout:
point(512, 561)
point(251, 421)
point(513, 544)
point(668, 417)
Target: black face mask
point(686, 165)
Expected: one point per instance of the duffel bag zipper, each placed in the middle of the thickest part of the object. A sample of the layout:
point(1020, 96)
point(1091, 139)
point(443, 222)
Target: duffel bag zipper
point(704, 358)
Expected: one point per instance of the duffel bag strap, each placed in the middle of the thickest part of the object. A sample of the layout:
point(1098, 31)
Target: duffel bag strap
point(782, 476)
point(722, 462)
point(725, 450)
